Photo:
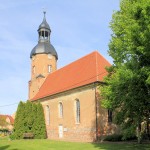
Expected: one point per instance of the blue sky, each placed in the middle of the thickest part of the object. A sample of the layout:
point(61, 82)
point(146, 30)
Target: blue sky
point(78, 28)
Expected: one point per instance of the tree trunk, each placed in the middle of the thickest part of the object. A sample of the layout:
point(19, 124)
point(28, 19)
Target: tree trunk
point(139, 136)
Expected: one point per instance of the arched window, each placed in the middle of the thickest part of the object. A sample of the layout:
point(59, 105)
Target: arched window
point(47, 115)
point(46, 35)
point(77, 111)
point(60, 110)
point(41, 34)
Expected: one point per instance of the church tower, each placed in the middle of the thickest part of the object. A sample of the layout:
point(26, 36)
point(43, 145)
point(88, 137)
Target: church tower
point(43, 58)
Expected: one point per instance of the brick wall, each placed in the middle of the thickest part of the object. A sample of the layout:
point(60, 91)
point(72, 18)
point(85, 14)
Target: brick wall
point(85, 131)
point(72, 131)
point(40, 62)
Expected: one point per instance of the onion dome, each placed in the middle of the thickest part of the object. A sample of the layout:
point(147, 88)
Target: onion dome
point(44, 46)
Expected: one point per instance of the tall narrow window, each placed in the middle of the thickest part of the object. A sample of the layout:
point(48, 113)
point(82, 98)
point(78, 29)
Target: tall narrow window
point(109, 115)
point(46, 35)
point(41, 35)
point(49, 68)
point(47, 115)
point(33, 69)
point(77, 111)
point(60, 110)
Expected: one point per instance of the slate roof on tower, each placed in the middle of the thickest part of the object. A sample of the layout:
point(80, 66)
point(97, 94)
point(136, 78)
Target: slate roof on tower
point(44, 23)
point(44, 45)
point(86, 70)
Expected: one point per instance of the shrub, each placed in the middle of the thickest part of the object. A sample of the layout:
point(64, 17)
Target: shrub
point(114, 137)
point(119, 137)
point(29, 119)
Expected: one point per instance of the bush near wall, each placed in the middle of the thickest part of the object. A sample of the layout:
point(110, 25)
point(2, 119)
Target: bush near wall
point(114, 137)
point(118, 137)
point(29, 119)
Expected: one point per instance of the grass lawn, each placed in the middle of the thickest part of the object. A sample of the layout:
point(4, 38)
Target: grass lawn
point(6, 144)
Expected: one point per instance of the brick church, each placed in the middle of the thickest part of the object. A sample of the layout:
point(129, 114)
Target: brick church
point(70, 95)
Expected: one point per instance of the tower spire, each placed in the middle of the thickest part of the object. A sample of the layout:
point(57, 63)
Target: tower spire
point(43, 58)
point(44, 12)
point(44, 45)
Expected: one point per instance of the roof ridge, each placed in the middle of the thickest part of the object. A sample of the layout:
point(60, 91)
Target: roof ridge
point(104, 58)
point(77, 60)
point(73, 62)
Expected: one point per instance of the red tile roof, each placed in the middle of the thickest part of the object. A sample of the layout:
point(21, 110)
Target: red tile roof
point(8, 116)
point(86, 70)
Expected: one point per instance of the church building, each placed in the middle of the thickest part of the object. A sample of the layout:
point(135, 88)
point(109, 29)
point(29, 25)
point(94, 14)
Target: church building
point(70, 96)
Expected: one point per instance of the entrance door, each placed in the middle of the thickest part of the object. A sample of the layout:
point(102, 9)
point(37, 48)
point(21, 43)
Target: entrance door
point(60, 131)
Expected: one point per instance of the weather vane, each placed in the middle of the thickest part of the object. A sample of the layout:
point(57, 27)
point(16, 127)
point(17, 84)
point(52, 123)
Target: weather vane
point(44, 11)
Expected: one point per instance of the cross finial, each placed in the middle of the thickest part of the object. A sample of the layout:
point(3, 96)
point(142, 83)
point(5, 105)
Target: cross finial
point(44, 13)
point(44, 18)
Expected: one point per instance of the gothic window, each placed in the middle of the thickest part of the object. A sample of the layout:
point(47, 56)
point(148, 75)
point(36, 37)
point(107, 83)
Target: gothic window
point(109, 115)
point(47, 115)
point(49, 68)
point(77, 111)
point(60, 110)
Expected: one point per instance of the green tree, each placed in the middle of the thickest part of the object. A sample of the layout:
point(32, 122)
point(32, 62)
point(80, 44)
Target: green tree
point(35, 122)
point(19, 124)
point(29, 119)
point(127, 89)
point(40, 132)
